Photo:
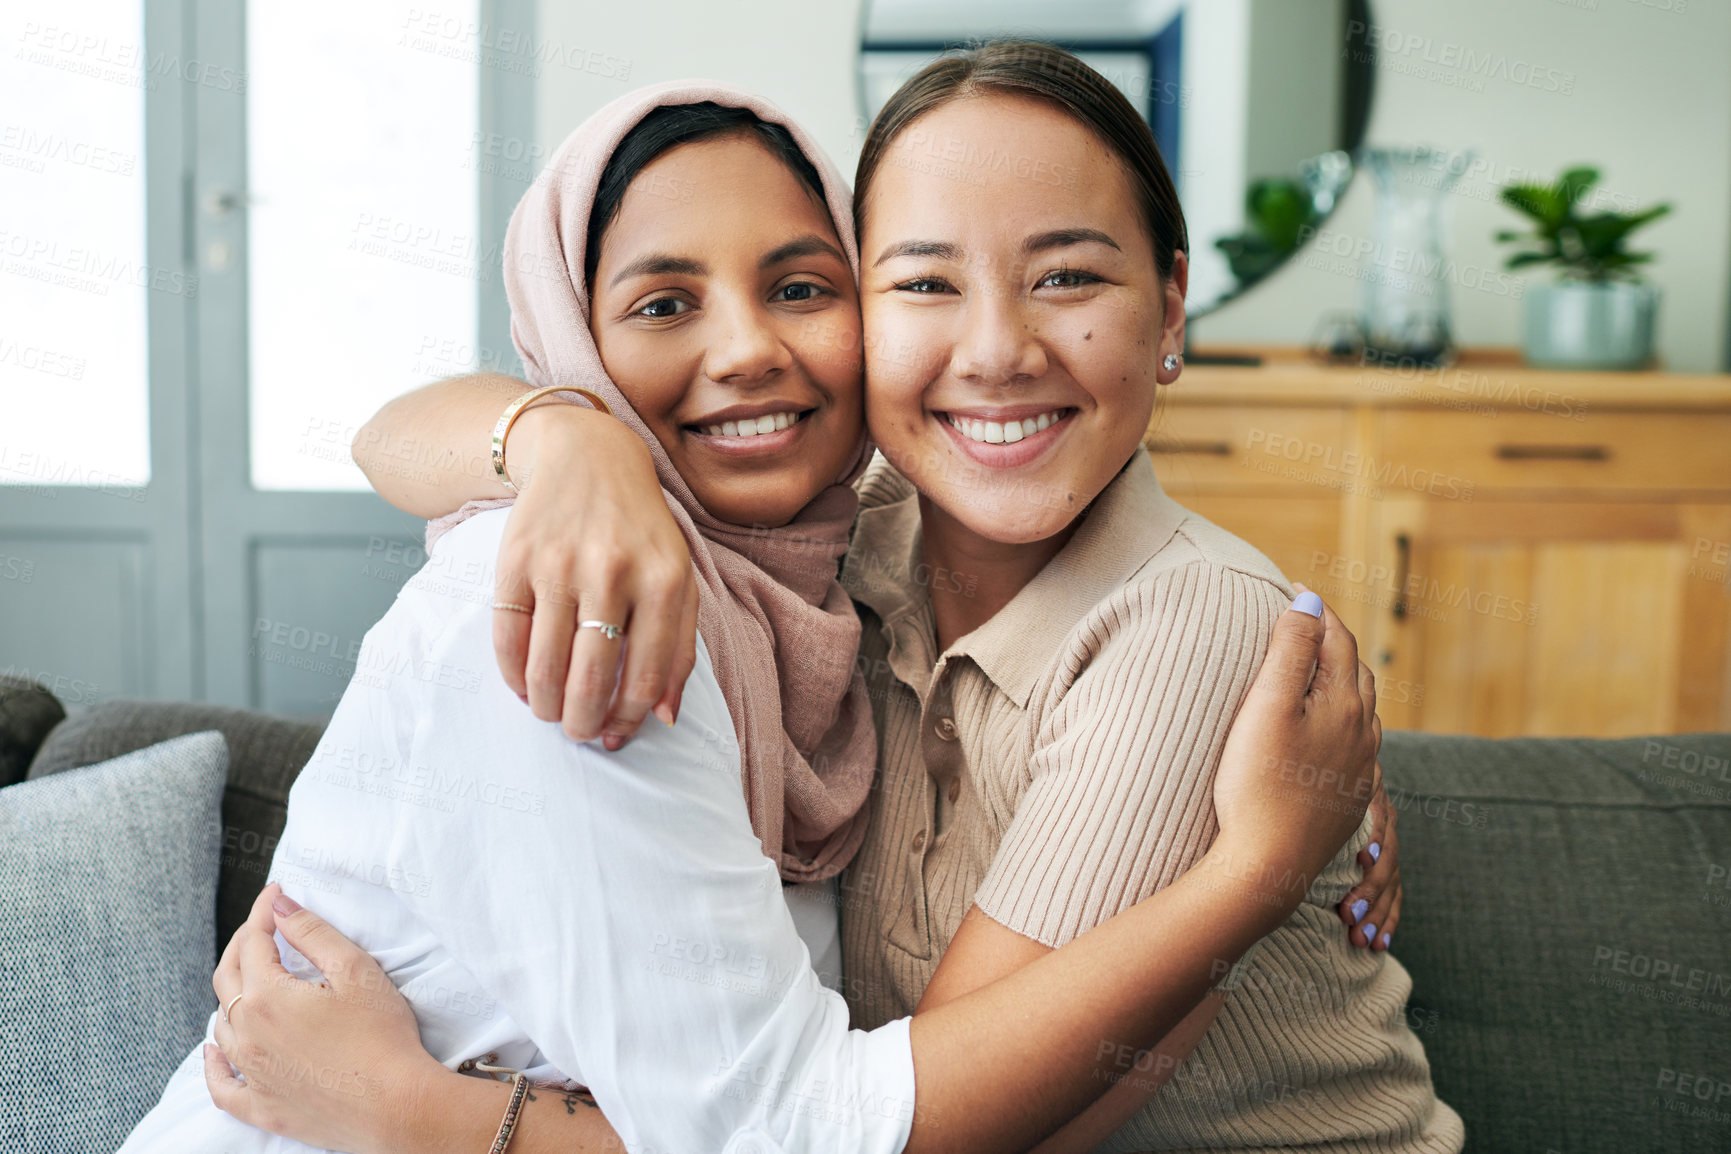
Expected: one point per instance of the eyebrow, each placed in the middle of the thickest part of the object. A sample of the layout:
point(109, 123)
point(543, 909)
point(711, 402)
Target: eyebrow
point(1065, 237)
point(1039, 242)
point(808, 245)
point(938, 248)
point(660, 264)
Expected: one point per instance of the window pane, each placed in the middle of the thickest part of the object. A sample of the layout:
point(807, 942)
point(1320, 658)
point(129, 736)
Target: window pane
point(74, 284)
point(363, 254)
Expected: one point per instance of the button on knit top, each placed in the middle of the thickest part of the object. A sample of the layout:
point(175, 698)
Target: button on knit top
point(1056, 766)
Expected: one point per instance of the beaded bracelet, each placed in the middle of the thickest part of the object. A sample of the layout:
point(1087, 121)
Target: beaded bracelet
point(508, 1125)
point(519, 1090)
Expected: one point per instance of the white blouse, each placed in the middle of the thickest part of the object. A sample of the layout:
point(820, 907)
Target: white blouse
point(606, 919)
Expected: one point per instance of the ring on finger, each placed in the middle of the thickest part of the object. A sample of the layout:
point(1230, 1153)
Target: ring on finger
point(228, 1008)
point(513, 607)
point(606, 629)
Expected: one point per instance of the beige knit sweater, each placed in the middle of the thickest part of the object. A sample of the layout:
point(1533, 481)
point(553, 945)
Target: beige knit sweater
point(1056, 766)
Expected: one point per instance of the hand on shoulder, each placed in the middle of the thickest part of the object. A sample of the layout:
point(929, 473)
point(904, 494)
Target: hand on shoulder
point(1299, 767)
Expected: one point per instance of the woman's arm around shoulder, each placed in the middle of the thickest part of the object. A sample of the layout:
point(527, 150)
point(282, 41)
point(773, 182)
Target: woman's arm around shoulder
point(590, 537)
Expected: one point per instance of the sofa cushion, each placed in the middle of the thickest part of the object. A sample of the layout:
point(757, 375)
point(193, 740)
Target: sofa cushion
point(107, 877)
point(27, 713)
point(265, 754)
point(1567, 925)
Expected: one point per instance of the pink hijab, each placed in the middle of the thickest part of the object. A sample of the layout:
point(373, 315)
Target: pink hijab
point(781, 633)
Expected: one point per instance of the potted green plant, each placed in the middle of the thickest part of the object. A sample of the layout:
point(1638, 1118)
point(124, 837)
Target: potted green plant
point(1279, 213)
point(1599, 313)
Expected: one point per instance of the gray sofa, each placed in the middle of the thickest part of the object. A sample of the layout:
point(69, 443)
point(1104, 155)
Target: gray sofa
point(1567, 921)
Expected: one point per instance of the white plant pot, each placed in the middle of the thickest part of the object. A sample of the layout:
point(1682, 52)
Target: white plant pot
point(1586, 325)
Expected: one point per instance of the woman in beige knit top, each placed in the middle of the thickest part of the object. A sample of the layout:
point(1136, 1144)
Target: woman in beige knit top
point(1056, 650)
point(1050, 713)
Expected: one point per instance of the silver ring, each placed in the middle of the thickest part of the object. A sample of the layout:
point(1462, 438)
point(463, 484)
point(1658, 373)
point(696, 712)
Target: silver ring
point(513, 608)
point(611, 632)
point(230, 1005)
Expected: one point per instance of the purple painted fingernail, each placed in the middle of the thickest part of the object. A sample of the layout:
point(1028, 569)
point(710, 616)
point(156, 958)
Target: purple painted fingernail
point(1385, 941)
point(1369, 932)
point(1374, 849)
point(1308, 602)
point(1359, 909)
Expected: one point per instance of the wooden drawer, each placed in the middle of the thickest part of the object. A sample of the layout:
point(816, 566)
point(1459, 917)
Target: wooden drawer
point(1209, 447)
point(1612, 451)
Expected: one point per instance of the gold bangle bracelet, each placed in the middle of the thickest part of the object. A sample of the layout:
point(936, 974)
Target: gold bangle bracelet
point(515, 409)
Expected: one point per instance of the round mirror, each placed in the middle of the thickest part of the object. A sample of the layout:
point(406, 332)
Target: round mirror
point(1258, 106)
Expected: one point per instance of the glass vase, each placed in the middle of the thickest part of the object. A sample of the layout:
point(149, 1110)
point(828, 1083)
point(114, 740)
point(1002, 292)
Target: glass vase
point(1406, 278)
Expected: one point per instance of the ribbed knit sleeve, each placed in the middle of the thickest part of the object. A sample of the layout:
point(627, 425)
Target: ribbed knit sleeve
point(1120, 797)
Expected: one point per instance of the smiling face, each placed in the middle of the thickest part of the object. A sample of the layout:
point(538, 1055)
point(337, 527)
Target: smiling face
point(727, 314)
point(1017, 319)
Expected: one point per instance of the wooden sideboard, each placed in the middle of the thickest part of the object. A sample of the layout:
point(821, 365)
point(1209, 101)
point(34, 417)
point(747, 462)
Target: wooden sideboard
point(1518, 551)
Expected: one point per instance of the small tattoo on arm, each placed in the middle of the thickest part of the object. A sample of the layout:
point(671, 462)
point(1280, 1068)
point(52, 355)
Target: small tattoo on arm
point(575, 1098)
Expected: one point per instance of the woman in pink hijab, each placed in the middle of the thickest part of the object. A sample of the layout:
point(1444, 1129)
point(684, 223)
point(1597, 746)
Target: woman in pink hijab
point(620, 925)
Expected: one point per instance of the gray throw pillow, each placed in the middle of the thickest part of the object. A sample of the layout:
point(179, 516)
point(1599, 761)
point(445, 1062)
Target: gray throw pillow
point(107, 940)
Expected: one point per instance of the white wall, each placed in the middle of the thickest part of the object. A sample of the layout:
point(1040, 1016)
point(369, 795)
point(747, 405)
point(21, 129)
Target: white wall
point(1651, 106)
point(802, 56)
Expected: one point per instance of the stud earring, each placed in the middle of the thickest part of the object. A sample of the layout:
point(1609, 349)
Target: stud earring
point(1171, 362)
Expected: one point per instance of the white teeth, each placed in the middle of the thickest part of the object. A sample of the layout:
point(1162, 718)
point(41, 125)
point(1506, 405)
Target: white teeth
point(1006, 432)
point(753, 426)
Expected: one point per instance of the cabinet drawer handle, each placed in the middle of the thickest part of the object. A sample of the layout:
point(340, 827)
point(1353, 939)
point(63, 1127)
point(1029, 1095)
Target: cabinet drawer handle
point(1206, 448)
point(1553, 453)
point(1403, 571)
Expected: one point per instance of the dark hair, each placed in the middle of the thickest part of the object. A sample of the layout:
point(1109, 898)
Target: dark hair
point(1047, 73)
point(672, 125)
